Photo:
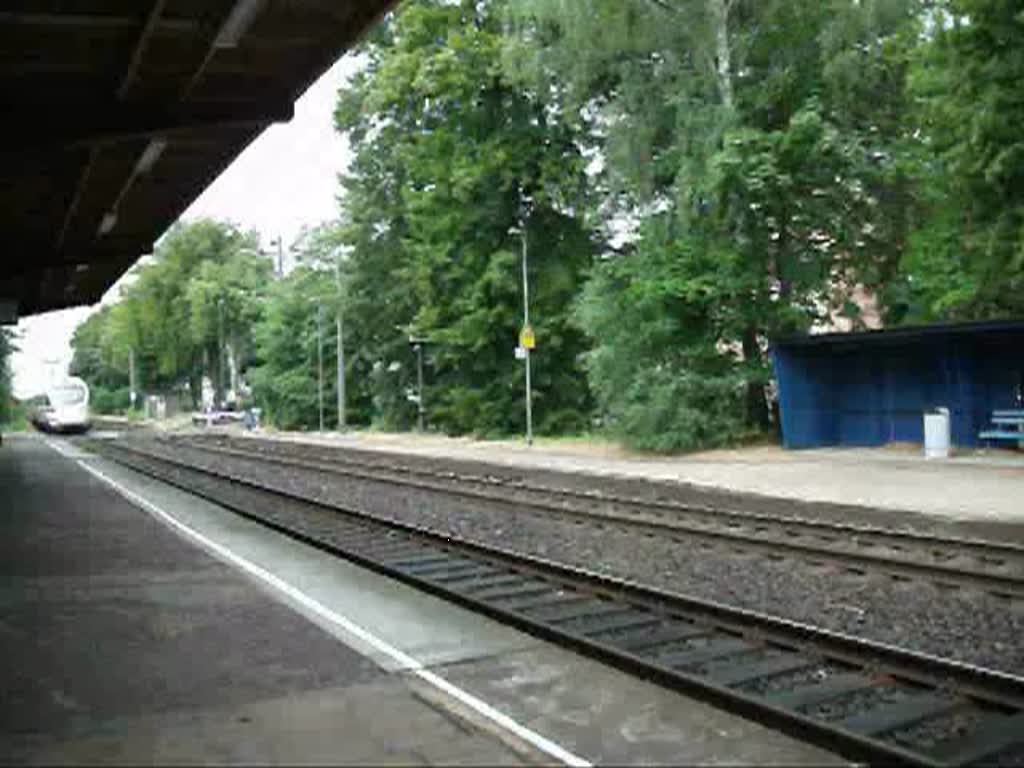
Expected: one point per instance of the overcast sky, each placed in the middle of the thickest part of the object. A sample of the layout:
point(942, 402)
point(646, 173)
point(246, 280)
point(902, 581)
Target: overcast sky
point(287, 178)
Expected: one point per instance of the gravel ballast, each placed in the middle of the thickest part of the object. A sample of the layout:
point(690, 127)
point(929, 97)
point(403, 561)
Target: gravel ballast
point(593, 478)
point(965, 625)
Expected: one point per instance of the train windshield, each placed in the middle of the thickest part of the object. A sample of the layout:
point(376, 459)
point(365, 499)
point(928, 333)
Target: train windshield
point(67, 394)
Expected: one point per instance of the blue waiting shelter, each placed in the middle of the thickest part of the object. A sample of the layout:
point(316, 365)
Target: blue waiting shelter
point(871, 388)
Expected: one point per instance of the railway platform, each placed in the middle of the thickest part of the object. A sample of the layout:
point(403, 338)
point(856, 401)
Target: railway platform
point(142, 624)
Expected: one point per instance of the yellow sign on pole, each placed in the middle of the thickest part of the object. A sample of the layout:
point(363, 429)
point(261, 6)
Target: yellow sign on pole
point(526, 338)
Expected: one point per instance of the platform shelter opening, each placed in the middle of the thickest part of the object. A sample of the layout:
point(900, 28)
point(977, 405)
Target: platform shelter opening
point(873, 387)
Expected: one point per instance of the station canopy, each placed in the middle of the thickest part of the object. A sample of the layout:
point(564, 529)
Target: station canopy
point(118, 113)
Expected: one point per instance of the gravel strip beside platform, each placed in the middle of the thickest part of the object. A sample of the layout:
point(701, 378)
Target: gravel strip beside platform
point(654, 489)
point(969, 626)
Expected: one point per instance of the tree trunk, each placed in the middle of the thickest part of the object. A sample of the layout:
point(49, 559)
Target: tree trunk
point(195, 390)
point(781, 244)
point(232, 349)
point(719, 11)
point(756, 402)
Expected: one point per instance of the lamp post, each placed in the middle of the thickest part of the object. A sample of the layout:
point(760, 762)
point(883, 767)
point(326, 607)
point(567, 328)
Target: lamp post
point(131, 377)
point(280, 255)
point(417, 344)
point(526, 324)
point(220, 350)
point(526, 346)
point(320, 360)
point(319, 357)
point(341, 352)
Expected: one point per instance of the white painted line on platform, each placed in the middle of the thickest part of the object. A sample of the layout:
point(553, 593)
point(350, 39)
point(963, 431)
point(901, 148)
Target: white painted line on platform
point(413, 665)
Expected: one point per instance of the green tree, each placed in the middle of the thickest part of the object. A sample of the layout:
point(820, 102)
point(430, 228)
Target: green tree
point(660, 385)
point(747, 149)
point(170, 315)
point(7, 348)
point(285, 377)
point(225, 301)
point(102, 361)
point(449, 158)
point(966, 258)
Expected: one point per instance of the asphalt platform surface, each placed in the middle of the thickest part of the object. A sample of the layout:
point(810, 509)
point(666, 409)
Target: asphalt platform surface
point(123, 642)
point(120, 642)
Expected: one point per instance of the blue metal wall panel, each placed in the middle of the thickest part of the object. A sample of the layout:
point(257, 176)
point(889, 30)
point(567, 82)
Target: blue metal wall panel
point(872, 391)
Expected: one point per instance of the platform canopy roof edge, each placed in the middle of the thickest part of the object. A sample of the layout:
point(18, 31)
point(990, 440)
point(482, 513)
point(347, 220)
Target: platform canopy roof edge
point(119, 113)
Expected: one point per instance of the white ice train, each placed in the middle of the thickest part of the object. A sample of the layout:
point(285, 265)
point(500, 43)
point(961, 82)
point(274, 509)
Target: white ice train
point(67, 409)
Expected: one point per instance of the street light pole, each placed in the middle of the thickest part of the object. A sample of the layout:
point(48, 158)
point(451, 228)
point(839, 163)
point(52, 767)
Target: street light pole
point(341, 356)
point(131, 376)
point(419, 383)
point(417, 345)
point(320, 361)
point(220, 351)
point(526, 324)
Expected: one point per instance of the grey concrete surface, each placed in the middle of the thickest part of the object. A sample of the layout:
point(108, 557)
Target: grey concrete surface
point(625, 720)
point(372, 723)
point(121, 642)
point(385, 607)
point(595, 711)
point(985, 486)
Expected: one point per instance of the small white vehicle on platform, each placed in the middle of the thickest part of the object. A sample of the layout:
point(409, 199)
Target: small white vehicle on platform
point(211, 418)
point(67, 408)
point(249, 418)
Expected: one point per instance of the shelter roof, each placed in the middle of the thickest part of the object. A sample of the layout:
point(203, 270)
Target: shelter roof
point(902, 334)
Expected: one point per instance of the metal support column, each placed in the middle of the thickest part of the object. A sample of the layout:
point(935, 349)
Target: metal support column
point(320, 361)
point(419, 382)
point(341, 357)
point(131, 377)
point(220, 353)
point(526, 324)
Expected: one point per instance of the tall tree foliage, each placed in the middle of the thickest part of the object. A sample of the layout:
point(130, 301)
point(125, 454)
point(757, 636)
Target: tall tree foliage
point(204, 283)
point(449, 157)
point(101, 359)
point(285, 380)
point(754, 144)
point(966, 256)
point(693, 177)
point(6, 392)
point(285, 377)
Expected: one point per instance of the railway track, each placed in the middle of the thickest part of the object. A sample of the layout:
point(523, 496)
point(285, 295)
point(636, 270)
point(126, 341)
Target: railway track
point(867, 701)
point(994, 567)
point(116, 423)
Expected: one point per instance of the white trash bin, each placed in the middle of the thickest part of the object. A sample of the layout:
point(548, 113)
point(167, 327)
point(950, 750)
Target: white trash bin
point(936, 434)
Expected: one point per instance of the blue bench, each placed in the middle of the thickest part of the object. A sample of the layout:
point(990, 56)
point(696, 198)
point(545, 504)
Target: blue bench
point(1003, 419)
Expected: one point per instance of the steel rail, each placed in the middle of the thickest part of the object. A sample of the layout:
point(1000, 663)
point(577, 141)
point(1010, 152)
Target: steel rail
point(716, 513)
point(998, 583)
point(483, 578)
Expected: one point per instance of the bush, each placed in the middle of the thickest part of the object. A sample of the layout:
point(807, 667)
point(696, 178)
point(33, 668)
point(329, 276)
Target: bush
point(109, 401)
point(13, 416)
point(666, 410)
